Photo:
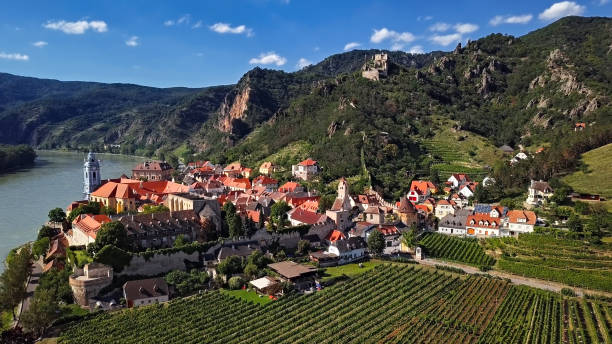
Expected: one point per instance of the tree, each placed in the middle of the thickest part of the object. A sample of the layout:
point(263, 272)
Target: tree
point(235, 226)
point(57, 215)
point(42, 312)
point(251, 270)
point(560, 195)
point(258, 259)
point(40, 247)
point(186, 283)
point(376, 242)
point(278, 214)
point(13, 279)
point(326, 202)
point(230, 265)
point(409, 238)
point(111, 233)
point(303, 247)
point(281, 255)
point(180, 241)
point(46, 232)
point(56, 282)
point(249, 226)
point(574, 224)
point(235, 282)
point(89, 208)
point(151, 209)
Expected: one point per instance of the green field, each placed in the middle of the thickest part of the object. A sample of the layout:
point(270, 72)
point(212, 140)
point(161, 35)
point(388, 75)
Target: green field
point(596, 175)
point(246, 295)
point(451, 248)
point(390, 303)
point(349, 270)
point(567, 261)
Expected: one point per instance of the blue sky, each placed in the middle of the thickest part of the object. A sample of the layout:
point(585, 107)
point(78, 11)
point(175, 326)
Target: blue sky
point(203, 43)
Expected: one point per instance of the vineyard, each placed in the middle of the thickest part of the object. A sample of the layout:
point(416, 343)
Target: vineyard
point(572, 262)
point(391, 303)
point(462, 250)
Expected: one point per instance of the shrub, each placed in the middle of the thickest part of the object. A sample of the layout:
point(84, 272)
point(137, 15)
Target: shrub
point(235, 282)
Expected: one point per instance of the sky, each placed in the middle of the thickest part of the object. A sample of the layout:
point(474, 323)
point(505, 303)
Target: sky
point(205, 43)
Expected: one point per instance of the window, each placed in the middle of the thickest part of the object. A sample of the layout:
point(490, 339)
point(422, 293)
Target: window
point(94, 175)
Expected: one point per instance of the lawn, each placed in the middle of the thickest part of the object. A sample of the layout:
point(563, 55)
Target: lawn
point(595, 176)
point(349, 270)
point(73, 309)
point(6, 320)
point(246, 295)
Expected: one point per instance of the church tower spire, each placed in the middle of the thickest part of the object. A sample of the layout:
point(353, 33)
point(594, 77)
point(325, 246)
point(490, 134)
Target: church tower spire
point(91, 174)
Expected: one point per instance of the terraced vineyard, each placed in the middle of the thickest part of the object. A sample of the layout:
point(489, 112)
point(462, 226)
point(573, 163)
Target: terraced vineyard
point(388, 304)
point(572, 262)
point(462, 250)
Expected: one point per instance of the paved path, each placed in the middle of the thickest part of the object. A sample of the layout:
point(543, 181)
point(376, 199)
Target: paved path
point(520, 280)
point(33, 281)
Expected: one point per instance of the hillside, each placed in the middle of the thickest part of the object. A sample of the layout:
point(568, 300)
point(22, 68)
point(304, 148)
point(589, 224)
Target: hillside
point(595, 173)
point(496, 90)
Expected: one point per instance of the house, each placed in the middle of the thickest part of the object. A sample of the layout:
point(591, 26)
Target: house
point(407, 213)
point(306, 169)
point(482, 224)
point(310, 205)
point(291, 187)
point(301, 276)
point(420, 190)
point(117, 196)
point(376, 68)
point(459, 200)
point(299, 216)
point(467, 190)
point(506, 149)
point(539, 193)
point(392, 236)
point(267, 182)
point(454, 224)
point(84, 229)
point(348, 250)
point(153, 170)
point(443, 208)
point(323, 259)
point(213, 187)
point(334, 236)
point(159, 230)
point(365, 201)
point(518, 157)
point(86, 283)
point(457, 179)
point(266, 285)
point(240, 249)
point(374, 215)
point(267, 168)
point(340, 211)
point(237, 184)
point(520, 221)
point(145, 292)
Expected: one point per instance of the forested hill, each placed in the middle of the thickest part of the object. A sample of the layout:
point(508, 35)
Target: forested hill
point(524, 90)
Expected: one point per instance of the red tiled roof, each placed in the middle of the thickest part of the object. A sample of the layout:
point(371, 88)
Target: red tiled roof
point(308, 162)
point(335, 235)
point(289, 187)
point(305, 216)
point(240, 183)
point(422, 186)
point(528, 217)
point(388, 230)
point(493, 222)
point(254, 215)
point(263, 180)
point(90, 224)
point(310, 205)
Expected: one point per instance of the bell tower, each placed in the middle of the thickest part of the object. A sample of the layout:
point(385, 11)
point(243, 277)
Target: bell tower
point(91, 174)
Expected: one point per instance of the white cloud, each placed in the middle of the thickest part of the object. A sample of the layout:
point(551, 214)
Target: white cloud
point(227, 28)
point(465, 28)
point(317, 48)
point(199, 54)
point(185, 19)
point(132, 42)
point(562, 9)
point(169, 22)
point(197, 25)
point(77, 27)
point(417, 49)
point(603, 2)
point(351, 45)
point(439, 27)
point(39, 44)
point(268, 58)
point(303, 63)
point(16, 57)
point(447, 39)
point(518, 19)
point(424, 18)
point(384, 34)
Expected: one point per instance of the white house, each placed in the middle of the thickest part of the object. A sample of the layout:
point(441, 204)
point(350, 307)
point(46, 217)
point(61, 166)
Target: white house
point(306, 169)
point(443, 208)
point(457, 179)
point(518, 157)
point(467, 190)
point(84, 229)
point(520, 221)
point(539, 192)
point(348, 250)
point(454, 224)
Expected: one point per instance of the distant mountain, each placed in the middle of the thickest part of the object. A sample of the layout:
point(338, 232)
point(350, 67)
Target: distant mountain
point(505, 89)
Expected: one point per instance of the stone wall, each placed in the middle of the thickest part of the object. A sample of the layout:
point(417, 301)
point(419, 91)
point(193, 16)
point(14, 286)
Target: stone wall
point(159, 264)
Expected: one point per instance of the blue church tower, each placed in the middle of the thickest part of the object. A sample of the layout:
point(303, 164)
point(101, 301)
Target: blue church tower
point(91, 178)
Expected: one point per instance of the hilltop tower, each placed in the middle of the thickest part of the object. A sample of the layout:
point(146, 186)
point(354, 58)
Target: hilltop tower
point(91, 174)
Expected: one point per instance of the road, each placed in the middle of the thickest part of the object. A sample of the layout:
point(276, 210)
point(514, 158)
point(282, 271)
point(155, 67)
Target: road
point(519, 280)
point(32, 285)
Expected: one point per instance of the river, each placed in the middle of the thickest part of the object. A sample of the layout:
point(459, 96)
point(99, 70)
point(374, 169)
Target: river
point(55, 180)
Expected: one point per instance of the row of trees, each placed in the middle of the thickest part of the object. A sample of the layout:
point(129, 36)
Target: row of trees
point(12, 157)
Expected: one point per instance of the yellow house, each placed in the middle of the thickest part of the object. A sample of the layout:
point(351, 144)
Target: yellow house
point(117, 196)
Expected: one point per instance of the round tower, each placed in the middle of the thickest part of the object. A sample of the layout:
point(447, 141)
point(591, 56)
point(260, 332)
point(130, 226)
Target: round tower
point(91, 174)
